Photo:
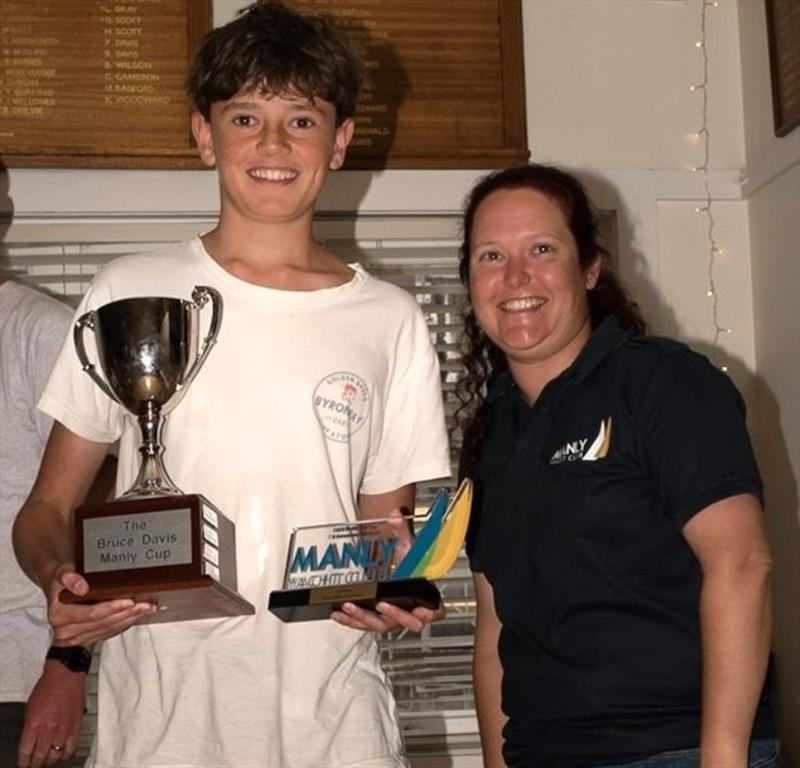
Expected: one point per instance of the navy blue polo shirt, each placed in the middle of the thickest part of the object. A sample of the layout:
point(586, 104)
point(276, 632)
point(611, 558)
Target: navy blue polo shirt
point(580, 502)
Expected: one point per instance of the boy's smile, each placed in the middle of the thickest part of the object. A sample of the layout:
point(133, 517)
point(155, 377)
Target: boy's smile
point(272, 152)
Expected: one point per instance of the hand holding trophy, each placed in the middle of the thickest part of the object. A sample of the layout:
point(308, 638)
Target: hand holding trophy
point(155, 543)
point(370, 561)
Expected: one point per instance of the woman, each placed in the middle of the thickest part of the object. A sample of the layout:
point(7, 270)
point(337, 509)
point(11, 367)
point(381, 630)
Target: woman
point(620, 563)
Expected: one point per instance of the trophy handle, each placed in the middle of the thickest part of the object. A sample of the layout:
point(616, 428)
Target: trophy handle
point(200, 296)
point(87, 320)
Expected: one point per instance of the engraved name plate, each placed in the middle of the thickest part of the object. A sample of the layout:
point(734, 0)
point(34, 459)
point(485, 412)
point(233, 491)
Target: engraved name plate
point(137, 541)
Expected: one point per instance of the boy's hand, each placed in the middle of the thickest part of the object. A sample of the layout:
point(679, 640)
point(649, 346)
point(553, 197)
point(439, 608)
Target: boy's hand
point(76, 624)
point(386, 617)
point(392, 506)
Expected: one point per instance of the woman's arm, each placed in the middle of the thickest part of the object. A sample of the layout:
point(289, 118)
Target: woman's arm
point(729, 541)
point(488, 674)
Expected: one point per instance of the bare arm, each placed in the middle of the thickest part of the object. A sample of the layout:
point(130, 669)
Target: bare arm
point(729, 541)
point(386, 616)
point(43, 528)
point(376, 506)
point(487, 674)
point(43, 540)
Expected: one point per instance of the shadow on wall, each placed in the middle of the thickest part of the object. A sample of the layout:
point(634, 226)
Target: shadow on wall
point(376, 122)
point(783, 528)
point(370, 148)
point(629, 264)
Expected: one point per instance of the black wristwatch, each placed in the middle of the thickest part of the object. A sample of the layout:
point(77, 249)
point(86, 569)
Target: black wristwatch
point(75, 658)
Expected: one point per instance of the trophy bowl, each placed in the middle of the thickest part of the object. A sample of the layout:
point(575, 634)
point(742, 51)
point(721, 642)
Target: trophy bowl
point(148, 352)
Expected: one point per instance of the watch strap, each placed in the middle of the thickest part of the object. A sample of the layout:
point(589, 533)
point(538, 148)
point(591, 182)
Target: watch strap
point(75, 658)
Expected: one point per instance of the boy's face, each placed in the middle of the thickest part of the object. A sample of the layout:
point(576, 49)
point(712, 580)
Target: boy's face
point(272, 152)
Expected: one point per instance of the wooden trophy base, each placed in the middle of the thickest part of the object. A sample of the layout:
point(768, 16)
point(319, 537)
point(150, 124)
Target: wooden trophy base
point(318, 602)
point(184, 600)
point(178, 552)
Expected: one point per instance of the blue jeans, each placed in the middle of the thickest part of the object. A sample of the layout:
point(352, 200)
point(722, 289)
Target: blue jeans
point(763, 754)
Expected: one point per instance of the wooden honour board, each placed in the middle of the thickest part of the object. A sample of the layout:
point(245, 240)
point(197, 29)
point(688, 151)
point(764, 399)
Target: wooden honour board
point(99, 83)
point(783, 31)
point(445, 81)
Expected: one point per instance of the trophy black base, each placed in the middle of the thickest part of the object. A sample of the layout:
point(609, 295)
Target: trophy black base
point(178, 552)
point(314, 603)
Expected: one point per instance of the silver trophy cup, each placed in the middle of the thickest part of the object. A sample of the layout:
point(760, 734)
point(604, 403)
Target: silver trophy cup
point(155, 543)
point(148, 352)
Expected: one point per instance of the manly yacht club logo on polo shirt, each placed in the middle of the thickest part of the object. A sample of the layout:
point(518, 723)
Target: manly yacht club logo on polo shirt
point(582, 450)
point(341, 402)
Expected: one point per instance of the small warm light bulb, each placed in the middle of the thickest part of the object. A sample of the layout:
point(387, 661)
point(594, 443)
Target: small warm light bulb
point(709, 293)
point(724, 368)
point(698, 44)
point(728, 330)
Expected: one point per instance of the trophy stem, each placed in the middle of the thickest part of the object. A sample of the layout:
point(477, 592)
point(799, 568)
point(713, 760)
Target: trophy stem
point(152, 479)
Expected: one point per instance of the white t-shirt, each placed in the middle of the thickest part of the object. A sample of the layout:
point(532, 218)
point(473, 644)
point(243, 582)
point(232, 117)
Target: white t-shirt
point(32, 330)
point(259, 434)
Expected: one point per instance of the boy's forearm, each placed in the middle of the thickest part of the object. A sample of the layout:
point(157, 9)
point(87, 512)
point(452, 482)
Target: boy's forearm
point(42, 533)
point(42, 541)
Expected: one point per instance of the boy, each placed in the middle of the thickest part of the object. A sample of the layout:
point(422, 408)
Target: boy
point(274, 94)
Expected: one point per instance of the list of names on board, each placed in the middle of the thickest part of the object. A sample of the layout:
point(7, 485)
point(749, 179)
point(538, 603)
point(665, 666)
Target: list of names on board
point(444, 81)
point(97, 82)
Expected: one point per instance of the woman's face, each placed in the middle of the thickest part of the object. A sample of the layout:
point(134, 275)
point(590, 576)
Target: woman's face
point(526, 284)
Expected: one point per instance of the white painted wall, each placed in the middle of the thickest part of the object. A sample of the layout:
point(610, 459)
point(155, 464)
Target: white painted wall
point(772, 190)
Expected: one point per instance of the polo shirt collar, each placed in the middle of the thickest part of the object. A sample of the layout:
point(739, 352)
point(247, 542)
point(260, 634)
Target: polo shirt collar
point(604, 340)
point(607, 337)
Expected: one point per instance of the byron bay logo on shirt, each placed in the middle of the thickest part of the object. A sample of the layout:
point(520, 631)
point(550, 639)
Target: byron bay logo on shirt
point(582, 450)
point(341, 402)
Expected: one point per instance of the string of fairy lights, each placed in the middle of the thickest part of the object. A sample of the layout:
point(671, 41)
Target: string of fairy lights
point(706, 208)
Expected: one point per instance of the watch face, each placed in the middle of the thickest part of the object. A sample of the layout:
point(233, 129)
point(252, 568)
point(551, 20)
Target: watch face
point(74, 657)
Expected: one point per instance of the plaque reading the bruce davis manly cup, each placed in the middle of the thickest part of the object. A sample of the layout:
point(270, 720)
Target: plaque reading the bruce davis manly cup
point(372, 561)
point(155, 543)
